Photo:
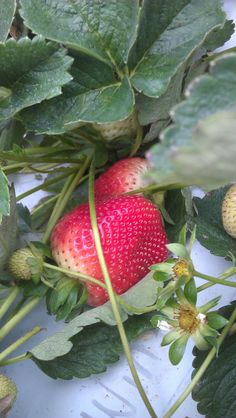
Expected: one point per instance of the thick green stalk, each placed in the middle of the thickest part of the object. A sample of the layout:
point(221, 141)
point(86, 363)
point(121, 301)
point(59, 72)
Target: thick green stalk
point(111, 294)
point(11, 348)
point(9, 300)
point(214, 279)
point(64, 197)
point(45, 184)
point(9, 325)
point(203, 367)
point(16, 359)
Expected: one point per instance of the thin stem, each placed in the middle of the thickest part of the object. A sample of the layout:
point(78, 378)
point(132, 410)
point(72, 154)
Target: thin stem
point(155, 188)
point(139, 137)
point(50, 200)
point(11, 348)
point(9, 300)
point(26, 159)
point(16, 359)
point(14, 167)
point(203, 367)
point(8, 326)
point(45, 184)
point(111, 295)
point(119, 72)
point(64, 197)
point(75, 274)
point(207, 285)
point(214, 279)
point(134, 309)
point(45, 150)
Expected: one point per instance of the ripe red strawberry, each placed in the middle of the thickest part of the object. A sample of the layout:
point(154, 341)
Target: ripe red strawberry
point(123, 176)
point(132, 238)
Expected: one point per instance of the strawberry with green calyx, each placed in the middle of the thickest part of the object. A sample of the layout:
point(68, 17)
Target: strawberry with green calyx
point(8, 393)
point(229, 211)
point(124, 176)
point(132, 238)
point(25, 264)
point(121, 128)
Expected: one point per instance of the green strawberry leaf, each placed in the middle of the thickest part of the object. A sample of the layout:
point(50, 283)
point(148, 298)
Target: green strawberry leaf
point(31, 71)
point(11, 132)
point(176, 208)
point(8, 228)
point(93, 349)
point(210, 231)
point(219, 36)
point(106, 103)
point(163, 46)
point(7, 12)
point(200, 123)
point(4, 196)
point(105, 30)
point(141, 295)
point(215, 392)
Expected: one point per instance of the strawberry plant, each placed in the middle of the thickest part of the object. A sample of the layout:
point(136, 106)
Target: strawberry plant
point(118, 109)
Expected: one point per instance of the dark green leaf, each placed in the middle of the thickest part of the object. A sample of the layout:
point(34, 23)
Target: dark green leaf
point(215, 392)
point(7, 11)
point(219, 36)
point(141, 295)
point(24, 218)
point(32, 71)
point(210, 231)
point(93, 349)
point(187, 146)
point(175, 206)
point(12, 132)
point(182, 29)
point(4, 196)
point(30, 289)
point(8, 231)
point(105, 104)
point(104, 29)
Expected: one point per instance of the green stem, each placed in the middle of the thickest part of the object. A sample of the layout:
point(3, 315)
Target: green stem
point(134, 309)
point(16, 359)
point(45, 150)
point(139, 137)
point(207, 285)
point(14, 167)
point(11, 348)
point(9, 300)
point(203, 367)
point(155, 188)
point(119, 72)
point(214, 279)
point(64, 197)
point(75, 274)
point(50, 200)
point(111, 295)
point(45, 184)
point(8, 326)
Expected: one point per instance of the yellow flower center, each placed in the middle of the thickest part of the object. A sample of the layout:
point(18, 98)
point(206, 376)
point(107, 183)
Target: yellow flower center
point(188, 318)
point(181, 268)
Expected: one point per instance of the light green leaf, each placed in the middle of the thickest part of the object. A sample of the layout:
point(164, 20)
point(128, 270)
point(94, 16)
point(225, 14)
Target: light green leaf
point(177, 349)
point(7, 11)
point(141, 295)
point(191, 152)
point(181, 34)
point(4, 196)
point(8, 230)
point(105, 29)
point(105, 104)
point(32, 71)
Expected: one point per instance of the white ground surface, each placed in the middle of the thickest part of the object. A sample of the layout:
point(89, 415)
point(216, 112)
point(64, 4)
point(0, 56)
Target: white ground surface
point(111, 394)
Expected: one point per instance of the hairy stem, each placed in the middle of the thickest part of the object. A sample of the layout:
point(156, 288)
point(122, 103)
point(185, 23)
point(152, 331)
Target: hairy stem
point(203, 367)
point(11, 348)
point(111, 294)
point(9, 300)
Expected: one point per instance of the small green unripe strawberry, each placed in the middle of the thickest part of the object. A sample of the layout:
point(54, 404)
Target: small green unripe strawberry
point(110, 131)
point(8, 393)
point(229, 211)
point(18, 265)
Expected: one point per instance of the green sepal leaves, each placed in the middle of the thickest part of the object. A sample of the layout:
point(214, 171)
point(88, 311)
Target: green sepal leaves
point(177, 349)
